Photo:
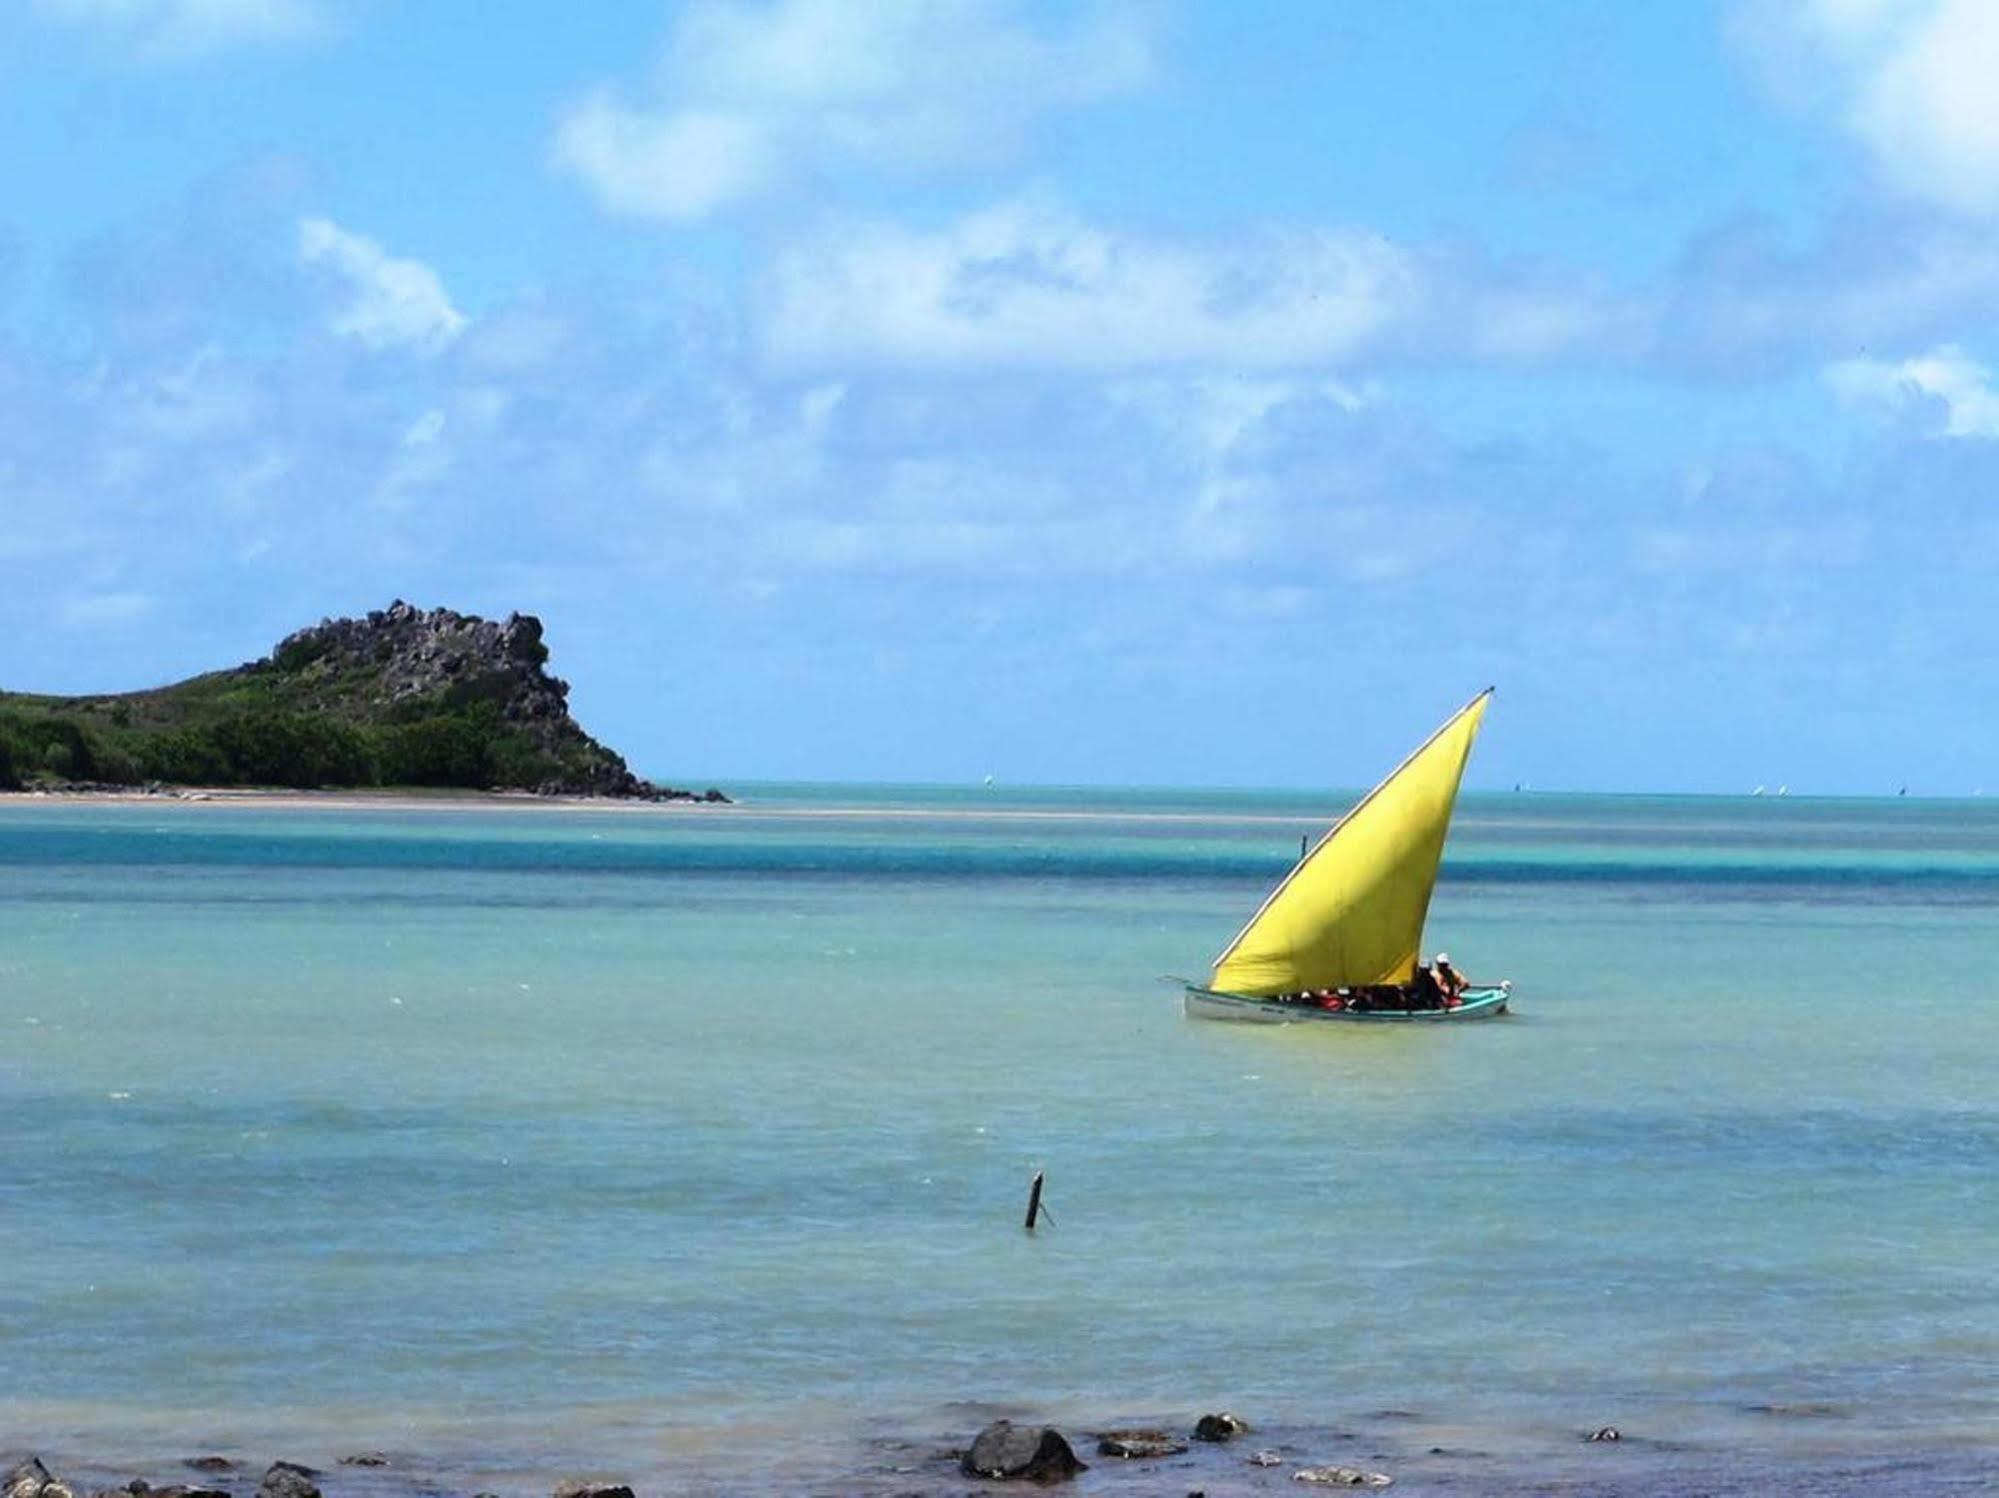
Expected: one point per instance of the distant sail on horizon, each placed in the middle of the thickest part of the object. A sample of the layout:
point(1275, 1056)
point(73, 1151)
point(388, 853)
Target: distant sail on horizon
point(1355, 919)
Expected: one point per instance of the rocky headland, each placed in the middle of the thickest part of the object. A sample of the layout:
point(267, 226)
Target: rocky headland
point(397, 697)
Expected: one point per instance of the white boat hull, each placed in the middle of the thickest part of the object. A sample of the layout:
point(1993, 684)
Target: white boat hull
point(1204, 1003)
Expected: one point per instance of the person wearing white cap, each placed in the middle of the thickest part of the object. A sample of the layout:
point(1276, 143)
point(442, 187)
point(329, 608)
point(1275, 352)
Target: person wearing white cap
point(1449, 979)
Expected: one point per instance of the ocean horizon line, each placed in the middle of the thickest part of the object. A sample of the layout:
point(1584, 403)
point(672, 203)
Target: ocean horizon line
point(1003, 787)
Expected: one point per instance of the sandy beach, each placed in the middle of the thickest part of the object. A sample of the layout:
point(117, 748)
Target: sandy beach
point(345, 800)
point(531, 803)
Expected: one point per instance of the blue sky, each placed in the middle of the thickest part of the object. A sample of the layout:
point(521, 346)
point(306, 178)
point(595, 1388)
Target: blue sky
point(1133, 391)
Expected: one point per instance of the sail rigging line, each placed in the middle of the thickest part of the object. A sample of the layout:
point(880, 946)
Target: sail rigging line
point(1334, 831)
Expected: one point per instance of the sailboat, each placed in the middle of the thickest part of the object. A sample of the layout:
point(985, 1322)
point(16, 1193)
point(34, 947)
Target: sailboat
point(1349, 915)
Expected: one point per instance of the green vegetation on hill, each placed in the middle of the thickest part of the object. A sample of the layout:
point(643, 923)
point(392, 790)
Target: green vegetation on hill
point(227, 729)
point(401, 698)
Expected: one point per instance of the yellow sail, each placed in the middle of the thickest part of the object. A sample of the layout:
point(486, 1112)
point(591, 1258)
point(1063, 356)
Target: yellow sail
point(1352, 910)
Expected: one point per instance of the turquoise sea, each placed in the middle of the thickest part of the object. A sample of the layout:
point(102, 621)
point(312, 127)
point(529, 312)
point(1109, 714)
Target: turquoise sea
point(692, 1145)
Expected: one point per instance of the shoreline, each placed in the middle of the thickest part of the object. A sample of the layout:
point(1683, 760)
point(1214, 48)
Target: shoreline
point(532, 802)
point(1806, 1449)
point(353, 800)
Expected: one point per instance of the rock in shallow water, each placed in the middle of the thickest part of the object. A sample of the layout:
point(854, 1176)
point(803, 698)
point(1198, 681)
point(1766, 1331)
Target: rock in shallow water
point(32, 1480)
point(288, 1480)
point(575, 1489)
point(1342, 1477)
point(1221, 1427)
point(1035, 1452)
point(27, 1480)
point(1137, 1444)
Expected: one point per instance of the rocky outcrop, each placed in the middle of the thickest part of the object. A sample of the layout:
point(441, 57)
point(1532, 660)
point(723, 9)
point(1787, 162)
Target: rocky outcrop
point(407, 654)
point(402, 661)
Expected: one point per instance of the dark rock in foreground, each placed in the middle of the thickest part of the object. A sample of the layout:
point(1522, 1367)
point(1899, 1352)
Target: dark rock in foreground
point(1036, 1453)
point(288, 1480)
point(32, 1480)
point(575, 1489)
point(1221, 1427)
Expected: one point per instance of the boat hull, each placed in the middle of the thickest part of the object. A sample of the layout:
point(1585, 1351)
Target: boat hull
point(1204, 1003)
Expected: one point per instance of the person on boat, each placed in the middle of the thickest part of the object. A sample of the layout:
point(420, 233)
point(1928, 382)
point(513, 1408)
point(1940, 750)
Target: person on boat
point(1424, 991)
point(1450, 982)
point(1374, 997)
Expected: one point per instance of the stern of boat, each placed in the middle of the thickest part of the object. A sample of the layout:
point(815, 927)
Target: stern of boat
point(1203, 1003)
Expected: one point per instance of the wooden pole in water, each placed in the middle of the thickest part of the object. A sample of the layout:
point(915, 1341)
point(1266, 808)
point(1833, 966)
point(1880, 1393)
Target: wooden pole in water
point(1034, 1201)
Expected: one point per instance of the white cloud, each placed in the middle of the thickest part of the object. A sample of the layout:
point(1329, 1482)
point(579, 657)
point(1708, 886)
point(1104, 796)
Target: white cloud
point(425, 430)
point(180, 28)
point(388, 303)
point(1929, 110)
point(1947, 380)
point(679, 166)
point(1745, 303)
point(419, 461)
point(1216, 429)
point(1026, 283)
point(635, 473)
point(1910, 80)
point(751, 95)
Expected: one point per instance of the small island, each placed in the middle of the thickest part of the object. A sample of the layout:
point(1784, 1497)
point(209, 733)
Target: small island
point(401, 698)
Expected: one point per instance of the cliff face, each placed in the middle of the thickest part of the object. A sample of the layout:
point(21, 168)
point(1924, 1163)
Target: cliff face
point(402, 663)
point(410, 654)
point(400, 696)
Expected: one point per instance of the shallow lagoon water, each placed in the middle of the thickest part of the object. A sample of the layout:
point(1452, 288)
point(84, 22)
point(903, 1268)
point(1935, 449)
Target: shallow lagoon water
point(534, 1139)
